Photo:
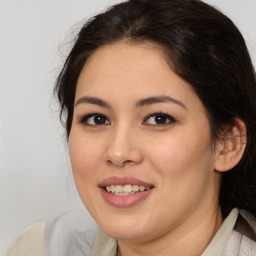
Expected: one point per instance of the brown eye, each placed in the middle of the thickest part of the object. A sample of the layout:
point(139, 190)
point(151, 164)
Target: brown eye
point(159, 119)
point(99, 120)
point(95, 119)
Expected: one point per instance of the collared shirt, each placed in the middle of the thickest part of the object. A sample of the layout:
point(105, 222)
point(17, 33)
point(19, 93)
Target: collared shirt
point(72, 234)
point(107, 246)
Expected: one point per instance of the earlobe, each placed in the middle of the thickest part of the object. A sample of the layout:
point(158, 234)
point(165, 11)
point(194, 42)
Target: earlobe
point(230, 149)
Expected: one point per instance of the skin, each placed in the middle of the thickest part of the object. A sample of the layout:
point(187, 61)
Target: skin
point(182, 213)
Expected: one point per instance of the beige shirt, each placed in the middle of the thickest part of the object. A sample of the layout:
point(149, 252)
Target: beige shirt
point(31, 241)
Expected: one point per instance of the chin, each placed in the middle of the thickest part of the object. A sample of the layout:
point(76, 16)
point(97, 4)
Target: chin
point(124, 233)
point(124, 229)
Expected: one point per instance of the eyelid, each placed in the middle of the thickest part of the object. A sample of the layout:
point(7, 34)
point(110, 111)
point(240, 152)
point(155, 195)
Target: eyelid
point(85, 118)
point(169, 117)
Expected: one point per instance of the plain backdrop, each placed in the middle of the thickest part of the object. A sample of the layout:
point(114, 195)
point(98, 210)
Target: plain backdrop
point(36, 179)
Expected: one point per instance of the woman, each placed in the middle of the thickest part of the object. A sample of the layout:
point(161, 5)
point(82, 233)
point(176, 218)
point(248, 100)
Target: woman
point(158, 100)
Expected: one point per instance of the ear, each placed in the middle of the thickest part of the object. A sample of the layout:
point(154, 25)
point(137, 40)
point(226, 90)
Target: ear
point(230, 149)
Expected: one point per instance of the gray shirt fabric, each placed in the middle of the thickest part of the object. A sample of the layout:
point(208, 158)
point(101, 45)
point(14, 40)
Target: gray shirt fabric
point(77, 234)
point(72, 235)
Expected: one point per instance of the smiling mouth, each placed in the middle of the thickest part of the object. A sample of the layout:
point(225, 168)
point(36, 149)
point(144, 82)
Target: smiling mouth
point(125, 190)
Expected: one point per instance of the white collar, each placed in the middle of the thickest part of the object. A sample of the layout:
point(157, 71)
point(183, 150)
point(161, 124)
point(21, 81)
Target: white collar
point(107, 246)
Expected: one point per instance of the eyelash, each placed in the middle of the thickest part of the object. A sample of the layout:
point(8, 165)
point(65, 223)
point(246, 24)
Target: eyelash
point(85, 118)
point(170, 119)
point(161, 114)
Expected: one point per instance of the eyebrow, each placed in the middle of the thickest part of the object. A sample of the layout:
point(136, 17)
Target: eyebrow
point(159, 99)
point(139, 103)
point(93, 100)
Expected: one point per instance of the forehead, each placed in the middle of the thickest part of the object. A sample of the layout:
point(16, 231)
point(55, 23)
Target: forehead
point(124, 59)
point(131, 71)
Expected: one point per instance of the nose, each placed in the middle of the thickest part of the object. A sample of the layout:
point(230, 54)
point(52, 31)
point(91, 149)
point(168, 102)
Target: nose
point(123, 148)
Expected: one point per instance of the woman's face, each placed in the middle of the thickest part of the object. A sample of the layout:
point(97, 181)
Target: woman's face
point(140, 132)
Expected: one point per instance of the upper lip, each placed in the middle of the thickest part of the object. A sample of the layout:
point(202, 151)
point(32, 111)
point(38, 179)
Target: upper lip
point(124, 181)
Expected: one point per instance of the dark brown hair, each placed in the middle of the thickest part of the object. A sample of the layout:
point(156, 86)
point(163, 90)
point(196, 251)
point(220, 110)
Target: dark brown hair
point(205, 48)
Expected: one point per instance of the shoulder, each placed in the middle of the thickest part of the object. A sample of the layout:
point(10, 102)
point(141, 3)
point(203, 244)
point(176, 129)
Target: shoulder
point(72, 233)
point(30, 242)
point(243, 237)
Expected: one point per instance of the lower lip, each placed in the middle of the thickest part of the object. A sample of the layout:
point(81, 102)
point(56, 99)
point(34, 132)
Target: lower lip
point(125, 201)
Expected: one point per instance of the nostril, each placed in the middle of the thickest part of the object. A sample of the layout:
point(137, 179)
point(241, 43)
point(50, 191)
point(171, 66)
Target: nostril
point(109, 162)
point(119, 163)
point(127, 162)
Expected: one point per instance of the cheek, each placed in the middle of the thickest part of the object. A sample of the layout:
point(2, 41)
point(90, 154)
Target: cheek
point(180, 154)
point(84, 156)
point(185, 169)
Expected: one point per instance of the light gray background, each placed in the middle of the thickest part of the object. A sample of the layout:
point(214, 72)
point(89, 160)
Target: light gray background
point(36, 181)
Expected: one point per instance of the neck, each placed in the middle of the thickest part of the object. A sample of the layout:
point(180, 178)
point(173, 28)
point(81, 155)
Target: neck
point(189, 239)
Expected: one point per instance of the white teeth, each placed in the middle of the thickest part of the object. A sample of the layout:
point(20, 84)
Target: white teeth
point(142, 188)
point(119, 188)
point(135, 188)
point(123, 193)
point(126, 189)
